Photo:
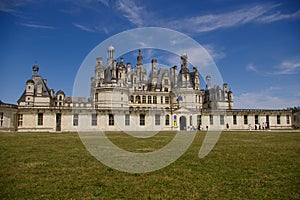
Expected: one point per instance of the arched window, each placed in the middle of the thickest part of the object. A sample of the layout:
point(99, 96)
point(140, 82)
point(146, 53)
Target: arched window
point(111, 120)
point(167, 120)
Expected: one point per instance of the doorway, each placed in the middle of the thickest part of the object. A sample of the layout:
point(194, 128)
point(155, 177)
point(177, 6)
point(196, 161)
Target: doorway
point(58, 122)
point(182, 121)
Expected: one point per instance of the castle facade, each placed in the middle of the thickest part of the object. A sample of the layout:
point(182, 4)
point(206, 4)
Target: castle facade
point(123, 98)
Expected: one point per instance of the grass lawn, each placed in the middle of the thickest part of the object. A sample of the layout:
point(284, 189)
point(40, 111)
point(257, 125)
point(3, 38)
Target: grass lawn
point(243, 165)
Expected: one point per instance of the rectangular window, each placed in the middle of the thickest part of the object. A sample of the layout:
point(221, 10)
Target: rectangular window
point(199, 120)
point(138, 99)
point(287, 119)
point(278, 119)
point(167, 120)
point(96, 96)
point(221, 119)
point(256, 119)
point(111, 120)
point(75, 120)
point(20, 119)
point(127, 120)
point(40, 119)
point(211, 119)
point(144, 99)
point(166, 81)
point(1, 119)
point(149, 99)
point(155, 99)
point(167, 100)
point(161, 99)
point(142, 120)
point(234, 120)
point(245, 119)
point(191, 120)
point(94, 119)
point(157, 119)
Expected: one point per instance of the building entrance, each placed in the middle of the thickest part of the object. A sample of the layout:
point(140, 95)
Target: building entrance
point(182, 121)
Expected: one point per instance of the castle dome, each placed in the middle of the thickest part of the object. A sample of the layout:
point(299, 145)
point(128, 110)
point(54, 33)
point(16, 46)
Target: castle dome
point(29, 81)
point(111, 48)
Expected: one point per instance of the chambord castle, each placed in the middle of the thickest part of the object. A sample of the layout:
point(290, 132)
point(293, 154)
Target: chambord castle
point(122, 97)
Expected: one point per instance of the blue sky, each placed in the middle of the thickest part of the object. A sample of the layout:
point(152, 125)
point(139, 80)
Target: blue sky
point(256, 46)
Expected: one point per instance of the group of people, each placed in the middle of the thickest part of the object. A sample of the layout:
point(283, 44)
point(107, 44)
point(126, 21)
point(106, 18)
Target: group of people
point(263, 126)
point(259, 126)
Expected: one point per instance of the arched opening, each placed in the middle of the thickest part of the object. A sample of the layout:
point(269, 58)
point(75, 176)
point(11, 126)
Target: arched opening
point(182, 121)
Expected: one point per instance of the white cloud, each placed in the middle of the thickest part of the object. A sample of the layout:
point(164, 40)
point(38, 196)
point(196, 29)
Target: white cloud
point(288, 67)
point(215, 53)
point(205, 23)
point(252, 68)
point(32, 25)
point(84, 28)
point(131, 11)
point(278, 16)
point(263, 99)
point(262, 13)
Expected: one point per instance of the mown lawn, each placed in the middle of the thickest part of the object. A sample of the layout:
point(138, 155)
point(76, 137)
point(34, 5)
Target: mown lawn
point(243, 165)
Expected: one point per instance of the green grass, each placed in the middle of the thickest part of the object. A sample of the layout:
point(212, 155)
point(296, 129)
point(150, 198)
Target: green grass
point(260, 165)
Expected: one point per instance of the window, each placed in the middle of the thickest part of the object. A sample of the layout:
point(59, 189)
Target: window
point(191, 120)
point(127, 120)
point(142, 120)
point(278, 119)
point(20, 119)
point(75, 120)
point(287, 119)
point(245, 119)
point(40, 119)
point(161, 99)
point(154, 99)
point(167, 120)
point(1, 119)
point(199, 120)
point(144, 99)
point(211, 119)
point(167, 100)
point(111, 120)
point(132, 99)
point(94, 119)
point(221, 119)
point(234, 120)
point(166, 81)
point(196, 98)
point(256, 119)
point(96, 96)
point(138, 99)
point(149, 99)
point(157, 119)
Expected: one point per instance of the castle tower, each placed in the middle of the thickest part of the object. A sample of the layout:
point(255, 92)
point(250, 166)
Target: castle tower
point(140, 58)
point(184, 72)
point(110, 52)
point(208, 82)
point(29, 95)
